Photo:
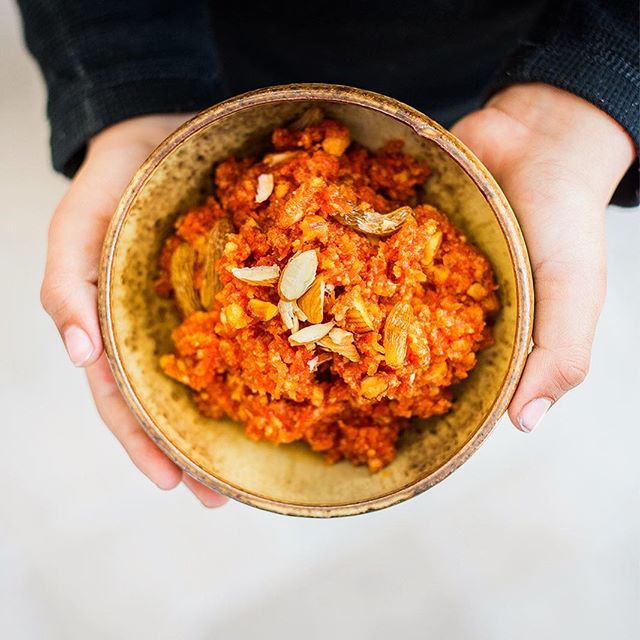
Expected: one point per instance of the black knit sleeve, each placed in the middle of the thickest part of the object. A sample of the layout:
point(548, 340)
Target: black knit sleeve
point(588, 47)
point(107, 60)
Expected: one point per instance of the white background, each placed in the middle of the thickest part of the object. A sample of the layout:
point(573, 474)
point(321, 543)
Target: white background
point(537, 536)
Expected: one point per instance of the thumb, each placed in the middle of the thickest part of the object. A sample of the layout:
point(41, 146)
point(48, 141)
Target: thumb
point(566, 315)
point(76, 232)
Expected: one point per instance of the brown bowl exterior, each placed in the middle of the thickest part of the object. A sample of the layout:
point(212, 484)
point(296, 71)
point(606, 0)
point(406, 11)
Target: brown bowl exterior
point(136, 324)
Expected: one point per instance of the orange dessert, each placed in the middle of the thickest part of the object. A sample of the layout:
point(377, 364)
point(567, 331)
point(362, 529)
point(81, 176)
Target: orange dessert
point(320, 302)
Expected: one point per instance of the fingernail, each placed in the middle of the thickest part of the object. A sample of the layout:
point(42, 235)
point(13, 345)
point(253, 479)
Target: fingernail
point(78, 344)
point(532, 414)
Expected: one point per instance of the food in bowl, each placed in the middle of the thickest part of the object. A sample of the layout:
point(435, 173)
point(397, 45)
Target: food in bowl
point(320, 301)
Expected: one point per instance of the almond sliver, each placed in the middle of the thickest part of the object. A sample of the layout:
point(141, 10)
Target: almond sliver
point(312, 302)
point(348, 350)
point(298, 275)
point(265, 187)
point(395, 334)
point(272, 159)
point(264, 276)
point(288, 314)
point(311, 334)
point(341, 336)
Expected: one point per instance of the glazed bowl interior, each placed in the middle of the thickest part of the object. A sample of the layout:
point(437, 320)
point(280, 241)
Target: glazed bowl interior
point(137, 323)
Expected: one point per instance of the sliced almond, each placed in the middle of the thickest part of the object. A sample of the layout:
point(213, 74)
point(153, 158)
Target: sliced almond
point(181, 273)
point(373, 386)
point(300, 314)
point(372, 222)
point(377, 346)
point(216, 240)
point(265, 187)
point(318, 360)
point(311, 334)
point(272, 159)
point(259, 276)
point(287, 311)
point(432, 247)
point(357, 315)
point(310, 117)
point(341, 336)
point(395, 334)
point(262, 310)
point(298, 275)
point(348, 351)
point(312, 302)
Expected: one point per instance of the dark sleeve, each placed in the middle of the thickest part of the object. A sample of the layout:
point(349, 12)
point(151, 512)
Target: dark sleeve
point(107, 60)
point(588, 47)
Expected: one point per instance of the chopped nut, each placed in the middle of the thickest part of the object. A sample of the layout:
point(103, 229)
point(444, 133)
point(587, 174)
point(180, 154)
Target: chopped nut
point(310, 117)
point(287, 311)
point(440, 274)
point(476, 291)
point(298, 275)
point(357, 316)
point(336, 145)
point(281, 189)
point(373, 386)
point(216, 240)
point(340, 336)
point(317, 396)
point(395, 334)
point(314, 227)
point(318, 360)
point(372, 222)
point(302, 202)
point(348, 350)
point(311, 303)
point(491, 303)
point(262, 310)
point(265, 187)
point(432, 248)
point(310, 334)
point(181, 272)
point(259, 276)
point(233, 315)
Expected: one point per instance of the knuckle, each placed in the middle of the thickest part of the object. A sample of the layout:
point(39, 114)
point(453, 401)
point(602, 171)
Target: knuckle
point(46, 297)
point(53, 298)
point(571, 369)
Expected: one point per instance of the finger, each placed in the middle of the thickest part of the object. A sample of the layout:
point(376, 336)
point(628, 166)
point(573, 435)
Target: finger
point(116, 415)
point(208, 497)
point(76, 233)
point(568, 302)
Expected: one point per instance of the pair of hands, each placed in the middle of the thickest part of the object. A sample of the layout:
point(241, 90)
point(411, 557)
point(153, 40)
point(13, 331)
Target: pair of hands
point(557, 157)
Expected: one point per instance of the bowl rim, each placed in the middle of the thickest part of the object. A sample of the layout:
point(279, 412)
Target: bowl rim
point(424, 127)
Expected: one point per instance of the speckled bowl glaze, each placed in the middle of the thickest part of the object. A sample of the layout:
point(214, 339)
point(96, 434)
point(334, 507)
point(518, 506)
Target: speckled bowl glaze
point(136, 324)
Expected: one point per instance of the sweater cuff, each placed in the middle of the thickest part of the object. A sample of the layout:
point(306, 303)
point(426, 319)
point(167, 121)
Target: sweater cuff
point(602, 78)
point(80, 112)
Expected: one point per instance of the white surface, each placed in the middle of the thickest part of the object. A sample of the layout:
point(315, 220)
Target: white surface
point(535, 537)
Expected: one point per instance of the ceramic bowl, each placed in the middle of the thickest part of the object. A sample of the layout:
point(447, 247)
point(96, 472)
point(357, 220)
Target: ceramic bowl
point(137, 324)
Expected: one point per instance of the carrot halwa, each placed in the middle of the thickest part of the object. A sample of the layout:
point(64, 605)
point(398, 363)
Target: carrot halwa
point(320, 302)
